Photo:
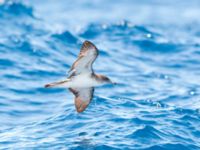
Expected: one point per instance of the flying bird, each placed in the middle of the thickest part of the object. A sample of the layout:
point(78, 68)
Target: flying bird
point(82, 79)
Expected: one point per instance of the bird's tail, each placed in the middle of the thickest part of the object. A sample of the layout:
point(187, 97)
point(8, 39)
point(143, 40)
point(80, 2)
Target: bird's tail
point(56, 84)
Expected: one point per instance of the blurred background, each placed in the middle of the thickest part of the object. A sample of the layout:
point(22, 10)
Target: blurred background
point(151, 48)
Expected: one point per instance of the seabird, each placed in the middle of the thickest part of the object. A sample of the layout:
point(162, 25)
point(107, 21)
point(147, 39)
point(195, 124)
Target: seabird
point(82, 79)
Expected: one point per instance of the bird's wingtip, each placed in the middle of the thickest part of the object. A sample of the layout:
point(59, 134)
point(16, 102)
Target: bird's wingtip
point(87, 41)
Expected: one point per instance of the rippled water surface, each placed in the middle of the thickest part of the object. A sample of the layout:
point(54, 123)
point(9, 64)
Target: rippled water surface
point(150, 48)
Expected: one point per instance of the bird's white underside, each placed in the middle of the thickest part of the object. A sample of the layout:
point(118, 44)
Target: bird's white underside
point(83, 80)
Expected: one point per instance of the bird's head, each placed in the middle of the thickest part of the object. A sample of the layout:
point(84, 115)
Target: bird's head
point(104, 79)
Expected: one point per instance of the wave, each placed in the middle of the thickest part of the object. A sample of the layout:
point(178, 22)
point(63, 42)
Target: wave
point(154, 106)
point(15, 9)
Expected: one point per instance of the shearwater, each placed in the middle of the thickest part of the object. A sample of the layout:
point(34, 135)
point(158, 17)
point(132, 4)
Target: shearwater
point(82, 79)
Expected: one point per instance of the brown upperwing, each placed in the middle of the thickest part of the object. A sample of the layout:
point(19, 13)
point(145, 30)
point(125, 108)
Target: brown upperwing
point(85, 61)
point(83, 97)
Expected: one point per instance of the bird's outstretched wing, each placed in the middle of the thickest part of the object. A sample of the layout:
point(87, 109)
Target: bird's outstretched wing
point(83, 97)
point(87, 56)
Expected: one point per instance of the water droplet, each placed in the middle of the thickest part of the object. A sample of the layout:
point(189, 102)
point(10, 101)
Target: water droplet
point(148, 100)
point(192, 92)
point(104, 26)
point(166, 76)
point(149, 35)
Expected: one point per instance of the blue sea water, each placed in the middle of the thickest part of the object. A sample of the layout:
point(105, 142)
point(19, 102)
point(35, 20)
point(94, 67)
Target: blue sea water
point(150, 48)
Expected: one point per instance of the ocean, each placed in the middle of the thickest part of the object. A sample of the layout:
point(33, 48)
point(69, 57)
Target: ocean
point(150, 48)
